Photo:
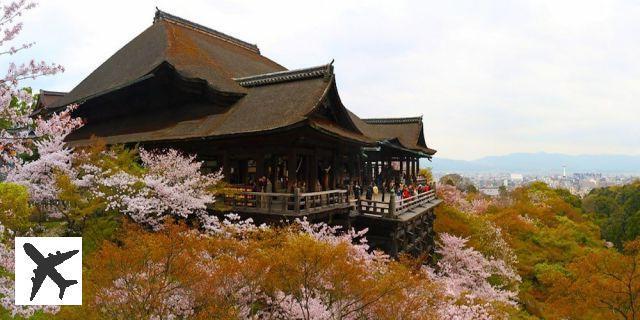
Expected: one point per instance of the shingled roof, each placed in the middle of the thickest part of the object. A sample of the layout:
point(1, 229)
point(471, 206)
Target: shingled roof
point(407, 133)
point(275, 101)
point(268, 96)
point(193, 50)
point(47, 100)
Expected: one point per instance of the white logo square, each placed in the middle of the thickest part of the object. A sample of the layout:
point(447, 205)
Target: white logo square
point(48, 270)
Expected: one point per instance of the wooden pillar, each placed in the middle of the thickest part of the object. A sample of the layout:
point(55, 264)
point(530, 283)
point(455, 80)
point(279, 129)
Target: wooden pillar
point(334, 171)
point(274, 172)
point(314, 171)
point(259, 166)
point(385, 168)
point(359, 168)
point(292, 164)
point(392, 206)
point(243, 171)
point(226, 171)
point(374, 169)
point(410, 168)
point(307, 170)
point(367, 171)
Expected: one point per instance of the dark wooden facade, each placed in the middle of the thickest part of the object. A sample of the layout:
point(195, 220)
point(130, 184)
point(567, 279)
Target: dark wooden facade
point(182, 85)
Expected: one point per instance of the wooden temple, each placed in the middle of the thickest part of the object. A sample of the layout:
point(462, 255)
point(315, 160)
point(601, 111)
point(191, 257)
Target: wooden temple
point(282, 138)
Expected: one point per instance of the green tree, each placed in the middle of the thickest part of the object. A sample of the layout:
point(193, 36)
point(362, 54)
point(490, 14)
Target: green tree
point(15, 210)
point(617, 210)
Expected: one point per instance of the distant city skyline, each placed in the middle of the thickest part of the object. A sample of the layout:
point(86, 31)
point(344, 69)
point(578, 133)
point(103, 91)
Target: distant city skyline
point(540, 163)
point(577, 183)
point(490, 78)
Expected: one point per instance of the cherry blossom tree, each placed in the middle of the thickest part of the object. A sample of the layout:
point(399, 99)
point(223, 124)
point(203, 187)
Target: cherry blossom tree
point(464, 273)
point(16, 123)
point(476, 204)
point(53, 157)
point(171, 185)
point(16, 103)
point(7, 290)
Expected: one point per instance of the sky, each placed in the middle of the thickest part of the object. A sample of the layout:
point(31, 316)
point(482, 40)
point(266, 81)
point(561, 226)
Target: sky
point(488, 77)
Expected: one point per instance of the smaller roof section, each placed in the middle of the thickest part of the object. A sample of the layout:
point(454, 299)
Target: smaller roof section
point(47, 101)
point(406, 133)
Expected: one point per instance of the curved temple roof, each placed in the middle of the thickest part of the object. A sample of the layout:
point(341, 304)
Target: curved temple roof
point(407, 133)
point(194, 51)
point(269, 96)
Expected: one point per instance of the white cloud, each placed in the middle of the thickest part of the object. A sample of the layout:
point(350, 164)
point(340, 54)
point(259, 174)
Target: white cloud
point(490, 77)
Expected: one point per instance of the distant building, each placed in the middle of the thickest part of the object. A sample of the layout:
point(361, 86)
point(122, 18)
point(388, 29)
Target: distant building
point(493, 192)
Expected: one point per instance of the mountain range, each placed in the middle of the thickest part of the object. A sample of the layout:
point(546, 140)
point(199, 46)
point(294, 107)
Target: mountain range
point(538, 163)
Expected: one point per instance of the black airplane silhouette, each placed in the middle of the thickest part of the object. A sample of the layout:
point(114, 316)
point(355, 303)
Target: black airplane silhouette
point(47, 267)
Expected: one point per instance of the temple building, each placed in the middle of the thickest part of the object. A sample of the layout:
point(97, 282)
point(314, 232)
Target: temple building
point(182, 85)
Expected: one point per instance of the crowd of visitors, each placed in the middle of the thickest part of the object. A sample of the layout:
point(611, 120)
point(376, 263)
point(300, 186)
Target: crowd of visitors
point(379, 189)
point(387, 190)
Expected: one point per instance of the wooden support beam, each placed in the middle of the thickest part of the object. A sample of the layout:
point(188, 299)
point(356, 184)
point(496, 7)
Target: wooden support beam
point(335, 167)
point(259, 165)
point(314, 171)
point(307, 172)
point(226, 170)
point(274, 172)
point(292, 164)
point(410, 169)
point(359, 168)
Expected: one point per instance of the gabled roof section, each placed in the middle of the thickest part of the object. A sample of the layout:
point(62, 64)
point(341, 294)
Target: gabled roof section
point(407, 133)
point(194, 51)
point(163, 16)
point(46, 101)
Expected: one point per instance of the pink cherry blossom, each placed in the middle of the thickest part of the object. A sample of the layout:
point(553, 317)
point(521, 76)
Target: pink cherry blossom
point(173, 185)
point(463, 273)
point(16, 104)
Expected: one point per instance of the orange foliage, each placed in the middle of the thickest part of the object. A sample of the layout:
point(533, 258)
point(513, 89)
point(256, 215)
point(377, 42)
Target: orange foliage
point(604, 284)
point(221, 277)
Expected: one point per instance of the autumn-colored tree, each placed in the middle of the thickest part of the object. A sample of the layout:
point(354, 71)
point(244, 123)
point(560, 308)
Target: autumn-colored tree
point(265, 273)
point(604, 284)
point(534, 224)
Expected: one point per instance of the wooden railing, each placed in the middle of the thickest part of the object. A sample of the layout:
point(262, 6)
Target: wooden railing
point(412, 202)
point(287, 203)
point(394, 207)
point(379, 208)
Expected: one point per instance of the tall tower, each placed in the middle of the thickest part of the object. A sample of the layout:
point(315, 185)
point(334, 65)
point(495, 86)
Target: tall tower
point(564, 171)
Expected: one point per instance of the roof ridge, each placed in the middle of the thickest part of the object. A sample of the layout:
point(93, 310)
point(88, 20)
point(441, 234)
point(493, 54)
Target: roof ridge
point(55, 93)
point(161, 15)
point(393, 120)
point(325, 70)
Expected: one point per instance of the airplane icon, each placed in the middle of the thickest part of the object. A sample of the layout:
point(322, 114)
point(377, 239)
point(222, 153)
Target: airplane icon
point(47, 267)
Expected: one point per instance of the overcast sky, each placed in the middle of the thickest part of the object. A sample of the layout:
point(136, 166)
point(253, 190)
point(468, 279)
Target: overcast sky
point(489, 77)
